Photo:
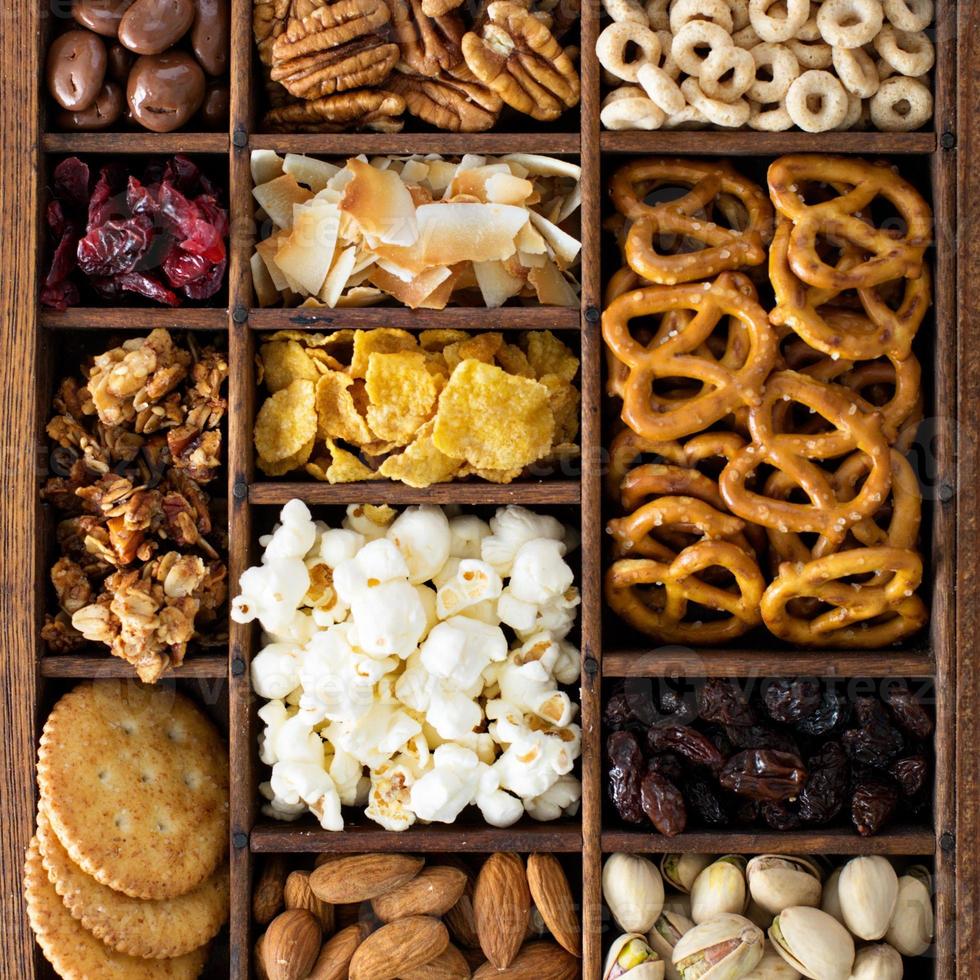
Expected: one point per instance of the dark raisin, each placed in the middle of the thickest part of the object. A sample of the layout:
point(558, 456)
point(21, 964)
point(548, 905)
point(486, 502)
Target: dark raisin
point(909, 714)
point(788, 701)
point(663, 803)
point(617, 713)
point(760, 737)
point(704, 801)
point(875, 743)
point(872, 805)
point(723, 702)
point(764, 774)
point(626, 769)
point(830, 717)
point(679, 706)
point(667, 764)
point(686, 742)
point(910, 773)
point(781, 816)
point(826, 789)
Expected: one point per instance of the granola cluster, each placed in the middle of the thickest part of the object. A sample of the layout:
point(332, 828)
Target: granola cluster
point(332, 65)
point(140, 568)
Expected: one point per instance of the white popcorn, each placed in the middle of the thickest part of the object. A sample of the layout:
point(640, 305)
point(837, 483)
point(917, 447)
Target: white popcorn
point(271, 594)
point(556, 616)
point(348, 776)
point(568, 667)
point(497, 807)
point(427, 596)
point(372, 522)
point(539, 573)
point(527, 682)
point(293, 782)
point(279, 809)
point(376, 735)
point(274, 714)
point(475, 581)
point(423, 537)
point(449, 787)
point(460, 648)
point(275, 670)
point(466, 535)
point(390, 796)
point(513, 527)
point(447, 573)
point(338, 545)
point(517, 614)
point(376, 563)
point(389, 619)
point(295, 741)
point(562, 799)
point(293, 536)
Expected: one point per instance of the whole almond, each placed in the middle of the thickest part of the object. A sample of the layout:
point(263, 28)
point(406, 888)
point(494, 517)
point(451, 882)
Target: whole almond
point(433, 891)
point(260, 973)
point(502, 907)
point(333, 963)
point(553, 899)
point(298, 895)
point(540, 960)
point(450, 964)
point(401, 945)
point(347, 878)
point(291, 945)
point(267, 899)
point(351, 915)
point(461, 920)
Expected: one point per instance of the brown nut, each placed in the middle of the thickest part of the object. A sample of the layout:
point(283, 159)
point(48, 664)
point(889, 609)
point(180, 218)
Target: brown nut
point(268, 22)
point(542, 960)
point(518, 57)
point(214, 108)
point(429, 45)
point(268, 897)
point(398, 946)
point(76, 69)
point(373, 109)
point(340, 46)
point(101, 114)
point(291, 945)
point(120, 61)
point(436, 8)
point(210, 35)
point(152, 26)
point(165, 90)
point(298, 895)
point(101, 16)
point(456, 104)
point(333, 963)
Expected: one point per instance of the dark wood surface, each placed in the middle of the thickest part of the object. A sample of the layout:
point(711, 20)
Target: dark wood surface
point(953, 152)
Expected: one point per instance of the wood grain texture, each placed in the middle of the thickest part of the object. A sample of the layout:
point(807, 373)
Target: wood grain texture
point(744, 143)
point(349, 144)
point(386, 492)
point(457, 317)
point(101, 665)
point(136, 320)
point(136, 142)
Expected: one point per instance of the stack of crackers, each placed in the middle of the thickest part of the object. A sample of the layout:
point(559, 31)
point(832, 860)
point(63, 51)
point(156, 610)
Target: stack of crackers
point(127, 875)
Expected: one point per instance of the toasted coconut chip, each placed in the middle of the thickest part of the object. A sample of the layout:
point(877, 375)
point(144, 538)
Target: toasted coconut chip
point(451, 233)
point(543, 166)
point(508, 189)
point(278, 196)
point(496, 284)
point(267, 250)
point(338, 276)
point(551, 286)
point(314, 173)
point(266, 165)
point(571, 203)
point(529, 239)
point(265, 289)
point(412, 294)
point(306, 255)
point(360, 296)
point(381, 204)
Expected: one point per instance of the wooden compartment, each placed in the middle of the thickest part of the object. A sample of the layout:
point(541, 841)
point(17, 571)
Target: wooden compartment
point(946, 161)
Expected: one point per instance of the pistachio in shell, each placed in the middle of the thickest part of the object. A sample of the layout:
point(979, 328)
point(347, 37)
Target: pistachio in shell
point(726, 947)
point(868, 890)
point(772, 967)
point(633, 890)
point(778, 881)
point(720, 887)
point(830, 900)
point(632, 957)
point(680, 870)
point(877, 962)
point(665, 935)
point(910, 930)
point(813, 942)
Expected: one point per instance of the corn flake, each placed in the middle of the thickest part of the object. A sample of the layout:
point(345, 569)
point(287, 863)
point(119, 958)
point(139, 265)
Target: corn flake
point(481, 347)
point(381, 340)
point(337, 415)
point(564, 399)
point(402, 394)
point(284, 466)
point(421, 464)
point(286, 422)
point(285, 361)
point(548, 355)
point(345, 467)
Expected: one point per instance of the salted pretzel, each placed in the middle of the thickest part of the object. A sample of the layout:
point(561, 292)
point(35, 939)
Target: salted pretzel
point(654, 596)
point(723, 384)
point(843, 219)
point(795, 454)
point(860, 614)
point(690, 219)
point(815, 314)
point(664, 480)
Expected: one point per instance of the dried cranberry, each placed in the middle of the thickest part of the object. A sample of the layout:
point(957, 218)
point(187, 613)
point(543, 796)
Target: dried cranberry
point(115, 246)
point(112, 287)
point(102, 205)
point(663, 803)
point(722, 701)
point(60, 295)
point(70, 184)
point(788, 701)
point(207, 285)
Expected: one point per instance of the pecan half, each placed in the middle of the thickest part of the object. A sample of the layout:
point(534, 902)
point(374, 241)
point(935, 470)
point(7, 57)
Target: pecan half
point(269, 19)
point(429, 44)
point(518, 57)
point(362, 109)
point(436, 8)
point(457, 104)
point(339, 46)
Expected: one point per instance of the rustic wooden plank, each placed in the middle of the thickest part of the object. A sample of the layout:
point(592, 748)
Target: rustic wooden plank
point(137, 320)
point(100, 666)
point(350, 144)
point(748, 143)
point(135, 142)
point(708, 662)
point(524, 837)
point(387, 492)
point(915, 841)
point(457, 317)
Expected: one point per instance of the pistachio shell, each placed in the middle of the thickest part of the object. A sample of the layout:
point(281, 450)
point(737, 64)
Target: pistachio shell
point(878, 962)
point(709, 942)
point(777, 882)
point(634, 891)
point(650, 969)
point(830, 901)
point(720, 887)
point(772, 967)
point(813, 942)
point(680, 870)
point(665, 934)
point(910, 930)
point(868, 890)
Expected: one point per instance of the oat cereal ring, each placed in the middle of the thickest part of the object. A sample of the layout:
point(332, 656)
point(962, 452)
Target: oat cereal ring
point(730, 115)
point(661, 89)
point(812, 54)
point(669, 66)
point(746, 38)
point(691, 38)
point(816, 102)
point(909, 15)
point(884, 69)
point(627, 107)
point(612, 45)
point(688, 118)
point(658, 14)
point(740, 14)
point(901, 105)
point(714, 11)
point(781, 63)
point(849, 23)
point(855, 106)
point(810, 31)
point(770, 117)
point(909, 53)
point(772, 28)
point(857, 71)
point(735, 66)
point(625, 10)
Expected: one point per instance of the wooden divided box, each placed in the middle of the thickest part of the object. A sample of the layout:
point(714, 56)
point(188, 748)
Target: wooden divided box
point(37, 346)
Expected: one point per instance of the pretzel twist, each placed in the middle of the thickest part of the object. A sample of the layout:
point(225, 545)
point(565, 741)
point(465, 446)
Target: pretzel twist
point(843, 219)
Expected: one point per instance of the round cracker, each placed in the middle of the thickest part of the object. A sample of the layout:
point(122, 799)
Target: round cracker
point(74, 952)
point(134, 781)
point(167, 928)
